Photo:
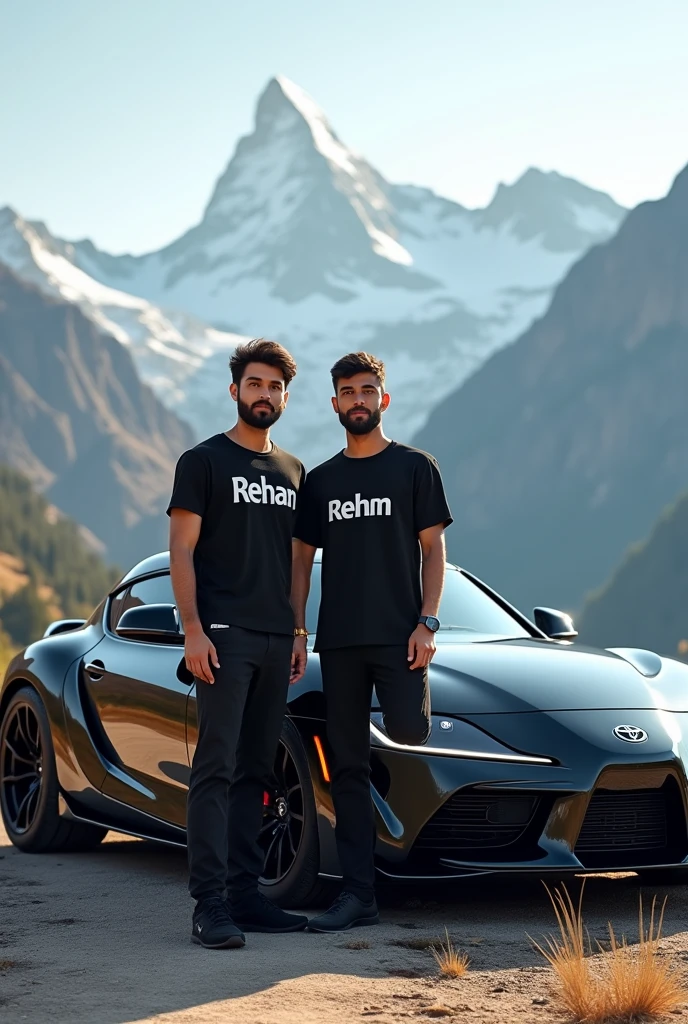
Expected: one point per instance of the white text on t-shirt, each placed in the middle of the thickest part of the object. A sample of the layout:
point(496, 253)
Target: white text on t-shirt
point(263, 493)
point(360, 507)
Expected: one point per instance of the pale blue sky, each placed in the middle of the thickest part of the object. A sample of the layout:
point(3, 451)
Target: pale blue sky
point(116, 118)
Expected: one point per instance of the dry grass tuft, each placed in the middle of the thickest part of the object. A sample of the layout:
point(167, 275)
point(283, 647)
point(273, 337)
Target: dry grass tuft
point(625, 984)
point(356, 944)
point(6, 964)
point(453, 963)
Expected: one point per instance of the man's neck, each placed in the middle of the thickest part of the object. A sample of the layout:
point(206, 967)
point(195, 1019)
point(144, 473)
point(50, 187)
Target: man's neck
point(253, 438)
point(362, 446)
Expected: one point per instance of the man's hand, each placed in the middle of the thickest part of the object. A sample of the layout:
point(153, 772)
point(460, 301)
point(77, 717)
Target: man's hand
point(299, 657)
point(200, 654)
point(421, 647)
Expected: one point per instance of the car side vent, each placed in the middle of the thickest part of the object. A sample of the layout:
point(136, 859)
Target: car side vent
point(472, 821)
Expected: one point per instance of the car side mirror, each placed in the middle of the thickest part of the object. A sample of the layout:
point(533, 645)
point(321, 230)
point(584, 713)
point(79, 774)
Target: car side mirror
point(151, 622)
point(555, 624)
point(63, 626)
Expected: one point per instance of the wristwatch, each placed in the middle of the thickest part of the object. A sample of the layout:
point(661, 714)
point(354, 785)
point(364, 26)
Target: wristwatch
point(300, 631)
point(430, 622)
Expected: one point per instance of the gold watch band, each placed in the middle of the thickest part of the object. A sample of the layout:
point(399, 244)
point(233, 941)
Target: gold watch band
point(300, 631)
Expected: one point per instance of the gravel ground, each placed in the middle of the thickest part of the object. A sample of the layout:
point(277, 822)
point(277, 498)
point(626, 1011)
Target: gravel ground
point(103, 938)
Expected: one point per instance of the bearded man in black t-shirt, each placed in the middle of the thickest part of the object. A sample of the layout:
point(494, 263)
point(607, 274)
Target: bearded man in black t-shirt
point(378, 511)
point(232, 514)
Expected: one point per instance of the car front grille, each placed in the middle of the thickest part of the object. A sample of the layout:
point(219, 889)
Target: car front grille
point(473, 821)
point(632, 826)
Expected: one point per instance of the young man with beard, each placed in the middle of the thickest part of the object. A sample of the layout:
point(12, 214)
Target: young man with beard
point(232, 513)
point(378, 511)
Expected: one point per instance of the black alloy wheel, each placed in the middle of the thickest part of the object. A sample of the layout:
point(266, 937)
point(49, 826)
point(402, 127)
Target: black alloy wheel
point(29, 788)
point(283, 820)
point(21, 768)
point(289, 833)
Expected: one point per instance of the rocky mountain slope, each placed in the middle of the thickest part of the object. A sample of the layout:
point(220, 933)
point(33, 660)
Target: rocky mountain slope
point(76, 419)
point(306, 241)
point(168, 346)
point(645, 603)
point(564, 447)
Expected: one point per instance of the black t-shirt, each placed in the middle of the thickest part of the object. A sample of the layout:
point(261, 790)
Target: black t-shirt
point(366, 515)
point(247, 501)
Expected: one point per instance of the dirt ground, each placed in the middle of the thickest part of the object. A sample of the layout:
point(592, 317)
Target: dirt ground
point(103, 938)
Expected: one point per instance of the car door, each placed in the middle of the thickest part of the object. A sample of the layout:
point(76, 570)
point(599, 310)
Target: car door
point(140, 702)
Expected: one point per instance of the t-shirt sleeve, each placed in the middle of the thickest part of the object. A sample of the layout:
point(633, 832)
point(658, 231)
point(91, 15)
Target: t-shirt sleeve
point(308, 525)
point(431, 507)
point(191, 485)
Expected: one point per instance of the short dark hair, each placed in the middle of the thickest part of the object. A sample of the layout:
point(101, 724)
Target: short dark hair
point(358, 362)
point(260, 350)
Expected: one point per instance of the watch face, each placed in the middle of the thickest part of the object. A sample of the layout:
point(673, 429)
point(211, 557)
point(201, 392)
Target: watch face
point(432, 623)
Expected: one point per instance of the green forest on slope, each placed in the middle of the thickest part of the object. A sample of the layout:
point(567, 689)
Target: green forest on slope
point(645, 603)
point(47, 570)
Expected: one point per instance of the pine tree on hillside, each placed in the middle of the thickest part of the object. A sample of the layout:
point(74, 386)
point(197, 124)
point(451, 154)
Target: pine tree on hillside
point(24, 615)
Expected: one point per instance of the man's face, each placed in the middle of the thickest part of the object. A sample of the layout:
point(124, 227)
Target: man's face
point(261, 396)
point(360, 402)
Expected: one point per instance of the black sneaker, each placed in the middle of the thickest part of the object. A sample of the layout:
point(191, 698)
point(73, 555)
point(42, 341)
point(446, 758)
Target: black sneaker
point(346, 912)
point(213, 926)
point(256, 913)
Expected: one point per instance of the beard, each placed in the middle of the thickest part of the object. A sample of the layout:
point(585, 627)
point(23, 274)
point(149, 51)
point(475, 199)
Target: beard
point(364, 425)
point(261, 417)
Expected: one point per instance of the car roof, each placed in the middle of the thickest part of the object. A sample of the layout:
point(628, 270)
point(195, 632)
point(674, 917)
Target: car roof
point(160, 562)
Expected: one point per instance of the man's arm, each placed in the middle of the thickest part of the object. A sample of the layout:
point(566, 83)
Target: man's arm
point(199, 652)
point(421, 649)
point(302, 566)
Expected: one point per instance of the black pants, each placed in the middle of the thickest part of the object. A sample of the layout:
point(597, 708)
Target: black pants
point(349, 674)
point(239, 724)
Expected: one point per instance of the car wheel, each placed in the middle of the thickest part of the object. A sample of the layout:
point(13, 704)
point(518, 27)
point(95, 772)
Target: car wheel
point(28, 782)
point(289, 834)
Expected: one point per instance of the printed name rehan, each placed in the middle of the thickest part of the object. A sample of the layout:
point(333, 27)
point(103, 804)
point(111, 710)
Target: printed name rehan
point(263, 493)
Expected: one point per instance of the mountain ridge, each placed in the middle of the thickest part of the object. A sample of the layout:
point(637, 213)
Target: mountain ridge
point(644, 602)
point(557, 451)
point(76, 419)
point(304, 240)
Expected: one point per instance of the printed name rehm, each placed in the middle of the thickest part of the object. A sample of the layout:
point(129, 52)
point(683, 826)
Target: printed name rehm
point(360, 507)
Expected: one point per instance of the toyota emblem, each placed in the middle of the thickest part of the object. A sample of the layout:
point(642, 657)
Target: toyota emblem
point(630, 733)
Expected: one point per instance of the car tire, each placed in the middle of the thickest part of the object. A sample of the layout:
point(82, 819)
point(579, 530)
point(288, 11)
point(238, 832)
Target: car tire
point(301, 886)
point(46, 831)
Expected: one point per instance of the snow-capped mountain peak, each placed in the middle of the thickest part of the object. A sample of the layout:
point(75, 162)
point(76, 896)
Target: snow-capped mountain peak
point(564, 214)
point(280, 94)
point(305, 241)
point(294, 170)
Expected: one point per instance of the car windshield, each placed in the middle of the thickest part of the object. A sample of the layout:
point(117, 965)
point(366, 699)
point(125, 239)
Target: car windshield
point(466, 612)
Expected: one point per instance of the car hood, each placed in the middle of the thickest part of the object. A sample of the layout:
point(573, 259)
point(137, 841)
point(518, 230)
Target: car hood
point(528, 675)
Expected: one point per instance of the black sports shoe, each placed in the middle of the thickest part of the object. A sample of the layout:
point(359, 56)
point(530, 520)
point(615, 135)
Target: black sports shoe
point(346, 912)
point(213, 926)
point(256, 913)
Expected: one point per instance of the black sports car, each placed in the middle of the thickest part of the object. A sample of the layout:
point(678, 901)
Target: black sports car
point(545, 755)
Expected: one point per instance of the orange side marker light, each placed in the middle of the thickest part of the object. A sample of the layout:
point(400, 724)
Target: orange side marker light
point(321, 755)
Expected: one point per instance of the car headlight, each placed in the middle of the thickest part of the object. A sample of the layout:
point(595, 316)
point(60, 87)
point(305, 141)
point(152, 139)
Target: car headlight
point(452, 737)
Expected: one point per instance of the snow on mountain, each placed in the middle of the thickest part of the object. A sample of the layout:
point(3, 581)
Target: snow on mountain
point(168, 346)
point(305, 241)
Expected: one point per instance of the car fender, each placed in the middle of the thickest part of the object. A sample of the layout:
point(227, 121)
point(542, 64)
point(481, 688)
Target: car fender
point(46, 665)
